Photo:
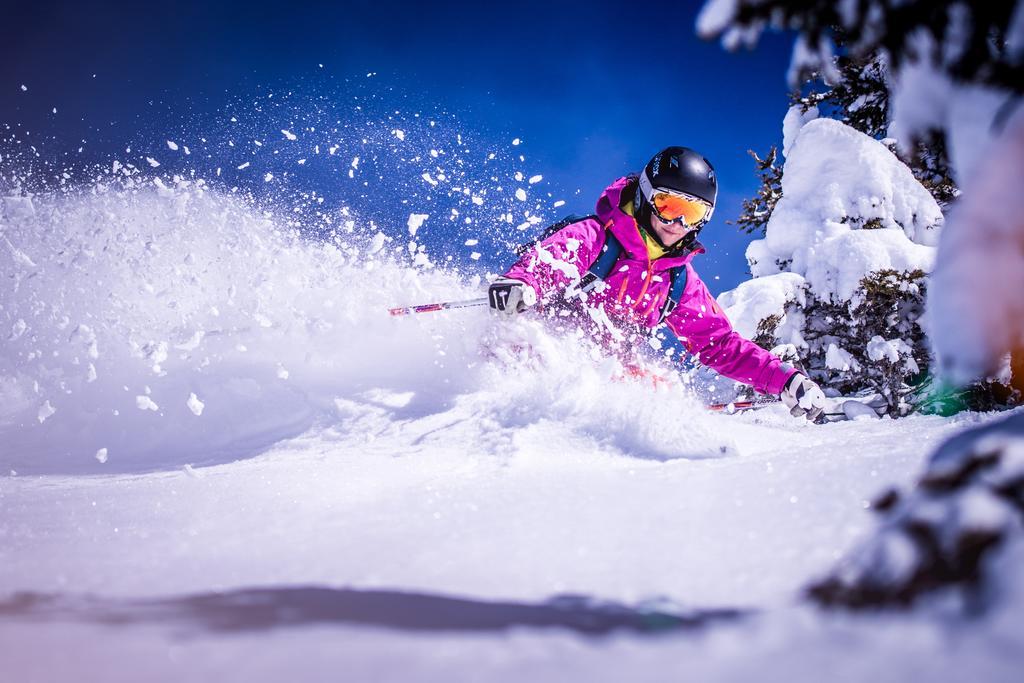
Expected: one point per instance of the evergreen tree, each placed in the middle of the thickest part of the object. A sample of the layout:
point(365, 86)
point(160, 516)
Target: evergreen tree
point(860, 99)
point(873, 341)
point(968, 41)
point(757, 211)
point(965, 41)
point(849, 339)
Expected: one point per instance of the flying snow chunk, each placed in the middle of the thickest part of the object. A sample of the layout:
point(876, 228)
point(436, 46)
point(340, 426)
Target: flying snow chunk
point(516, 142)
point(45, 411)
point(288, 134)
point(400, 134)
point(267, 178)
point(377, 243)
point(560, 202)
point(145, 403)
point(472, 242)
point(535, 179)
point(101, 455)
point(18, 207)
point(479, 201)
point(416, 221)
point(475, 255)
point(426, 176)
point(17, 329)
point(195, 405)
point(243, 166)
point(173, 146)
point(152, 162)
point(24, 88)
point(521, 194)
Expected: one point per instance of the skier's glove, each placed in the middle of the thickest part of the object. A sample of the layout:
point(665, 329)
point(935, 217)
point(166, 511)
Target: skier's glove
point(803, 397)
point(509, 296)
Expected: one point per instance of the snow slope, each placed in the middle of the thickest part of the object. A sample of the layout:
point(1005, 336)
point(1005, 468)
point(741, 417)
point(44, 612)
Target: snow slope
point(326, 492)
point(461, 505)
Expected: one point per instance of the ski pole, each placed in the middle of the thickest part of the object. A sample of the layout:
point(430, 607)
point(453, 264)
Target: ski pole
point(442, 306)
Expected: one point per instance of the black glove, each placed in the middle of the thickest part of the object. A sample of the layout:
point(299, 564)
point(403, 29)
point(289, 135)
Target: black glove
point(803, 397)
point(509, 296)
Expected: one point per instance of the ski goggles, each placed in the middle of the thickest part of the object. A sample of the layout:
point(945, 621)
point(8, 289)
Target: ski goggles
point(672, 206)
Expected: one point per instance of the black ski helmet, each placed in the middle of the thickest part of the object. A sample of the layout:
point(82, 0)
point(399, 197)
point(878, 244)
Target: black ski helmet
point(680, 169)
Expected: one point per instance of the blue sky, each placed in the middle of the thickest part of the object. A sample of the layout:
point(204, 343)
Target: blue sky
point(592, 88)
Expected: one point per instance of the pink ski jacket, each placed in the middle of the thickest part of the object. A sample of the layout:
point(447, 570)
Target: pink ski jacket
point(636, 289)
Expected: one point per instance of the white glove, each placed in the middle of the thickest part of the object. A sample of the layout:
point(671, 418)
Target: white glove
point(509, 296)
point(803, 397)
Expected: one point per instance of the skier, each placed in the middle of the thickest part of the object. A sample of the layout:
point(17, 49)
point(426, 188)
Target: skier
point(628, 269)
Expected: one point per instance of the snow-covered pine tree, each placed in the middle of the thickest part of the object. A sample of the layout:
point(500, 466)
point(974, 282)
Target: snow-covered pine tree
point(839, 278)
point(960, 70)
point(972, 42)
point(860, 99)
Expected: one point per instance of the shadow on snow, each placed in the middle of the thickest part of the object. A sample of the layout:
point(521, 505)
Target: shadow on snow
point(257, 609)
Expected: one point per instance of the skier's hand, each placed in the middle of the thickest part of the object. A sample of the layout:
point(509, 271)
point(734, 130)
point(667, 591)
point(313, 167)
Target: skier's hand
point(509, 296)
point(803, 397)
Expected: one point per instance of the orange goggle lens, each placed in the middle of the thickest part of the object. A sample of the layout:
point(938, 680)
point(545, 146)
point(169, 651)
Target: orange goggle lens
point(673, 207)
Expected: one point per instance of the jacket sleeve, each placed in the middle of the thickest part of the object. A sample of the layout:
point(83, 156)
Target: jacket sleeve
point(561, 259)
point(705, 331)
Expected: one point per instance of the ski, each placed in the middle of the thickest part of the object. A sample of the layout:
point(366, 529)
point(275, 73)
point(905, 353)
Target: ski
point(846, 409)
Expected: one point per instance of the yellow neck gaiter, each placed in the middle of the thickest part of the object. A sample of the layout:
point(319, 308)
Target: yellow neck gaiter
point(654, 250)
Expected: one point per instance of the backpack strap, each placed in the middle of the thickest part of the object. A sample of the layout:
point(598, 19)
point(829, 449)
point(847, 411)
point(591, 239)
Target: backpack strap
point(601, 268)
point(675, 292)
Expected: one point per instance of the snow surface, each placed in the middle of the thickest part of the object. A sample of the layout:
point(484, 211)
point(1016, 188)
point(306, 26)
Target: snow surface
point(300, 438)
